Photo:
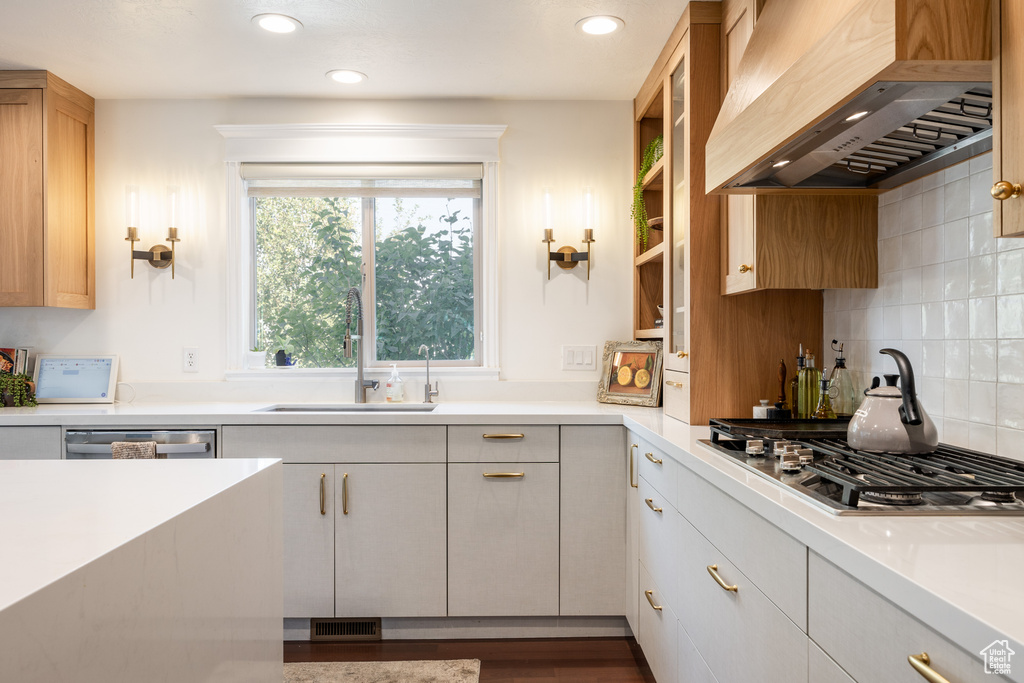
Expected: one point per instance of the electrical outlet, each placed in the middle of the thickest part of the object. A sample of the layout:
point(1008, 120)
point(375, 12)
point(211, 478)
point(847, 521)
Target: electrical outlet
point(579, 357)
point(190, 359)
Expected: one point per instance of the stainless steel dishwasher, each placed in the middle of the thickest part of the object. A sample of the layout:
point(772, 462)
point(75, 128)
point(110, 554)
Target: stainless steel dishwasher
point(93, 444)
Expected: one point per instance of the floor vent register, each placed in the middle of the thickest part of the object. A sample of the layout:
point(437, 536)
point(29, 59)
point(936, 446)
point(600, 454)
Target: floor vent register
point(344, 629)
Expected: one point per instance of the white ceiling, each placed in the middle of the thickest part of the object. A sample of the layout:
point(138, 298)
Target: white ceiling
point(518, 49)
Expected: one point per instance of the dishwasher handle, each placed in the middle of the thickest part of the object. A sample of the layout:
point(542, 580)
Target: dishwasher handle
point(166, 448)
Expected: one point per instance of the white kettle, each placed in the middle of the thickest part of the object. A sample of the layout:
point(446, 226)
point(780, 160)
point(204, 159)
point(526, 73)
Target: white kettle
point(890, 420)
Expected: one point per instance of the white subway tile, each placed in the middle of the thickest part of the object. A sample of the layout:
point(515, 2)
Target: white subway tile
point(956, 432)
point(957, 280)
point(933, 358)
point(983, 403)
point(889, 254)
point(910, 316)
point(913, 351)
point(961, 170)
point(1008, 243)
point(980, 236)
point(889, 220)
point(933, 180)
point(980, 163)
point(932, 320)
point(955, 242)
point(842, 325)
point(930, 391)
point(873, 317)
point(982, 437)
point(859, 324)
point(1010, 406)
point(932, 244)
point(1010, 316)
point(892, 322)
point(911, 281)
point(890, 197)
point(933, 284)
point(981, 198)
point(957, 320)
point(982, 272)
point(983, 361)
point(1010, 443)
point(1011, 361)
point(957, 199)
point(983, 318)
point(1011, 272)
point(933, 210)
point(958, 359)
point(828, 300)
point(892, 289)
point(911, 213)
point(910, 248)
point(828, 322)
point(841, 299)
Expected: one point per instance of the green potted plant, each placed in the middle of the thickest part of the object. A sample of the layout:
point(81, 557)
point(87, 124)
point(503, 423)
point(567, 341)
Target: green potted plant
point(256, 359)
point(17, 391)
point(654, 151)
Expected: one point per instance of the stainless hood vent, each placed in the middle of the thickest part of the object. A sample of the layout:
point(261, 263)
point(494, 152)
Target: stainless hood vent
point(889, 135)
point(855, 96)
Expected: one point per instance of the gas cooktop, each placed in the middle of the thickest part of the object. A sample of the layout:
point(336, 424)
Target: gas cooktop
point(825, 470)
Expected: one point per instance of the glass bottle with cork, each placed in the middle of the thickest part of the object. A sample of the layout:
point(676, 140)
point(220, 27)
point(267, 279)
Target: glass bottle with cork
point(841, 389)
point(808, 387)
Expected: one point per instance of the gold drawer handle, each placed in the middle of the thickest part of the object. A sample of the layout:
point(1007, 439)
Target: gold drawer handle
point(682, 354)
point(1005, 190)
point(651, 600)
point(323, 494)
point(504, 475)
point(650, 456)
point(922, 665)
point(504, 436)
point(632, 452)
point(678, 385)
point(744, 268)
point(344, 493)
point(713, 570)
point(650, 504)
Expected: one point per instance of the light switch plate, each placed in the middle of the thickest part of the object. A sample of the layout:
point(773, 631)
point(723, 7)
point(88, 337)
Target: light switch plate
point(579, 357)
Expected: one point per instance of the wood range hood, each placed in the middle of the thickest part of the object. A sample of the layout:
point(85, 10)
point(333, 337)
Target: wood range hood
point(854, 96)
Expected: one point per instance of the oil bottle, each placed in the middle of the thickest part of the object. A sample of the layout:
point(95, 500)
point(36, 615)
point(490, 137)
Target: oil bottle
point(824, 410)
point(794, 385)
point(841, 389)
point(809, 387)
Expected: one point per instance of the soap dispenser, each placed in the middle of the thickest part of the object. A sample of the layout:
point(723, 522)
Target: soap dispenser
point(394, 389)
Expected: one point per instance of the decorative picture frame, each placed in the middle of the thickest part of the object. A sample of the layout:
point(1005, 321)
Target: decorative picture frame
point(631, 373)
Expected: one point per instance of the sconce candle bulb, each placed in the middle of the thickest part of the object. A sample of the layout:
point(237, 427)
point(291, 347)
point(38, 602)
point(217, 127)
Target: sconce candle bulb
point(158, 256)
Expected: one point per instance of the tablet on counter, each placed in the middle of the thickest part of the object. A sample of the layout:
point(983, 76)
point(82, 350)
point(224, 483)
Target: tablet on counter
point(75, 379)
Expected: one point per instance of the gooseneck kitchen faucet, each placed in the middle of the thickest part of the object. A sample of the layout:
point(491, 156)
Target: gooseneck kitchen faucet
point(428, 393)
point(353, 298)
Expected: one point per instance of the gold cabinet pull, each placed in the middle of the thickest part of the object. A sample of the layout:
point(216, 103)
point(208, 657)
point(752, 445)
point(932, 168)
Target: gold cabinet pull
point(744, 268)
point(504, 436)
point(650, 599)
point(323, 494)
point(682, 354)
point(1004, 189)
point(344, 493)
point(678, 385)
point(650, 456)
point(922, 665)
point(650, 504)
point(632, 452)
point(713, 570)
point(504, 475)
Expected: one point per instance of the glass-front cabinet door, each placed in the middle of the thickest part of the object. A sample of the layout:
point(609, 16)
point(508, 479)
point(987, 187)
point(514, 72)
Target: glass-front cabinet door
point(677, 345)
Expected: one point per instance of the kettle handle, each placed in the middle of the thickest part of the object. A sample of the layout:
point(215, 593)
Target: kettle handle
point(910, 412)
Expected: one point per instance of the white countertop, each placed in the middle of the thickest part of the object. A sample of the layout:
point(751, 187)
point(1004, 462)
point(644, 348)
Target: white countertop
point(57, 516)
point(962, 576)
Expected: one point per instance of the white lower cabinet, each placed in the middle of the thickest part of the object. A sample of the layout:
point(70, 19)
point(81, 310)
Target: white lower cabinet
point(30, 443)
point(389, 540)
point(739, 632)
point(503, 539)
point(692, 667)
point(822, 669)
point(871, 639)
point(308, 502)
point(633, 503)
point(657, 629)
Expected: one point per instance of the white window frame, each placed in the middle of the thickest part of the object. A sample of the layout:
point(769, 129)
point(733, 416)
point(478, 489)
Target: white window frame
point(354, 143)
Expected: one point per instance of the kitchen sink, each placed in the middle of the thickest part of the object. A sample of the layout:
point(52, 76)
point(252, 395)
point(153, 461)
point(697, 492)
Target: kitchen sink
point(349, 408)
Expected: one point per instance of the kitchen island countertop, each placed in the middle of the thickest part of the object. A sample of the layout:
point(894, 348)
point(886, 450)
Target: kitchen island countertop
point(962, 576)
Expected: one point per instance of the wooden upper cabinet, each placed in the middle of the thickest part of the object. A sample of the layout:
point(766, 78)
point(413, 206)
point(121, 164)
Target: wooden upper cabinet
point(1008, 118)
point(785, 241)
point(47, 192)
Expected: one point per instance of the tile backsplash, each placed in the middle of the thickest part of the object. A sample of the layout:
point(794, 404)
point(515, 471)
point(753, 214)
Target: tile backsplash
point(950, 296)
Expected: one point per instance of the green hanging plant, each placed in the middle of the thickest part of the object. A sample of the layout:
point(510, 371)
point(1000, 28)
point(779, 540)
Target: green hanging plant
point(16, 391)
point(654, 150)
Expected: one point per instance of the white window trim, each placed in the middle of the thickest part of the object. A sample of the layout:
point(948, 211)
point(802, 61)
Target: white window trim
point(354, 143)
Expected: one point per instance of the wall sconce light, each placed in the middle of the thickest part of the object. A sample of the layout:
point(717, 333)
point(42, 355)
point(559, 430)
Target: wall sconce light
point(567, 257)
point(158, 256)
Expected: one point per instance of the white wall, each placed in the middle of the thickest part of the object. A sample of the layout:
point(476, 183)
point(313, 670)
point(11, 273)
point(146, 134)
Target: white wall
point(562, 145)
point(951, 297)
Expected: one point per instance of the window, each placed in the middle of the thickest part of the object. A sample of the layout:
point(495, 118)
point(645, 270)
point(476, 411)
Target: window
point(406, 236)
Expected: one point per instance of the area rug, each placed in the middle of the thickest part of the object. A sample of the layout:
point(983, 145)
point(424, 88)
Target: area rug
point(427, 671)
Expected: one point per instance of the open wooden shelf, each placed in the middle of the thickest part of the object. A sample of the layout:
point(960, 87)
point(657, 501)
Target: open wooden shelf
point(654, 333)
point(655, 254)
point(655, 178)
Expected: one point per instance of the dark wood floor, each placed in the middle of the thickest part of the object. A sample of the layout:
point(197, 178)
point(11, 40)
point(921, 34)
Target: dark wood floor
point(543, 660)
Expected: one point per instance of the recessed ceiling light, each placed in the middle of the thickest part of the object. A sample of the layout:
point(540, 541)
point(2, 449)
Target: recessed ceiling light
point(780, 164)
point(599, 25)
point(346, 76)
point(858, 116)
point(277, 23)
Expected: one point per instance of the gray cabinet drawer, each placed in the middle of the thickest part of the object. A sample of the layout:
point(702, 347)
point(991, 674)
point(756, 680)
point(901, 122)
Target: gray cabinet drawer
point(658, 540)
point(773, 560)
point(503, 443)
point(660, 471)
point(30, 443)
point(335, 443)
point(870, 638)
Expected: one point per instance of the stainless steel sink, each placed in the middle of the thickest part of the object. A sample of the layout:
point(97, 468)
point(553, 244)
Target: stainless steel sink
point(349, 408)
